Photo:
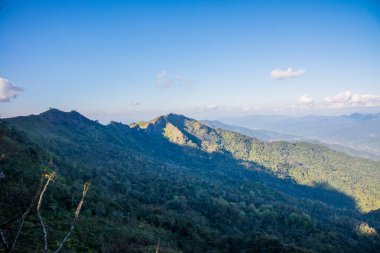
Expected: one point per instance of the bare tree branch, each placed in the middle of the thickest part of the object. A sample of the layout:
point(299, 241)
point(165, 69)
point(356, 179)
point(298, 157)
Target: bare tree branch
point(25, 214)
point(4, 241)
point(158, 248)
point(39, 195)
point(49, 177)
point(86, 186)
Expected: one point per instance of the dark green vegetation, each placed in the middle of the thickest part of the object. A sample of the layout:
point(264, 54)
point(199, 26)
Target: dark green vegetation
point(188, 187)
point(306, 163)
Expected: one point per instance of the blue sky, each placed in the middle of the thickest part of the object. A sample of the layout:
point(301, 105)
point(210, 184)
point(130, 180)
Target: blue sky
point(132, 60)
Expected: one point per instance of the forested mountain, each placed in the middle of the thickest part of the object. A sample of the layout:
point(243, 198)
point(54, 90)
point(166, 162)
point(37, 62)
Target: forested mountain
point(306, 163)
point(266, 135)
point(357, 131)
point(263, 135)
point(177, 185)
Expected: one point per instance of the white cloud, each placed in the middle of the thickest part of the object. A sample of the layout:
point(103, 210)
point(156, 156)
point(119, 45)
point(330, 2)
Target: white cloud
point(164, 81)
point(213, 107)
point(8, 90)
point(349, 99)
point(281, 74)
point(136, 103)
point(305, 100)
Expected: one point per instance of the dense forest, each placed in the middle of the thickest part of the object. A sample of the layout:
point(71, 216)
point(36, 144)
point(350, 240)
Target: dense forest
point(175, 185)
point(310, 164)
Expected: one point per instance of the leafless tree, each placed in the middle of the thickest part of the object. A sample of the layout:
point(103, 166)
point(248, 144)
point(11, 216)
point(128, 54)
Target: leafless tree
point(158, 248)
point(44, 183)
point(86, 186)
point(23, 217)
point(25, 214)
point(49, 178)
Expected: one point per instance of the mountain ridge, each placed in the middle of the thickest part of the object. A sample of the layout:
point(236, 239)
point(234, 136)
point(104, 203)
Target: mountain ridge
point(193, 133)
point(357, 131)
point(266, 135)
point(187, 196)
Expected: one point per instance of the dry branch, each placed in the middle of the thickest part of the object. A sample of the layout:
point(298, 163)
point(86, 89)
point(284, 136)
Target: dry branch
point(158, 248)
point(40, 195)
point(49, 178)
point(86, 186)
point(4, 241)
point(25, 214)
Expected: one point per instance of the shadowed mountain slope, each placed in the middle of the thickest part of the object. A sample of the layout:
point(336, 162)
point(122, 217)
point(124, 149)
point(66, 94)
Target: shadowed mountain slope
point(309, 164)
point(175, 181)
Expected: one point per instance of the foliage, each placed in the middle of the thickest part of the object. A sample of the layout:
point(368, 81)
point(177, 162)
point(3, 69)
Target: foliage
point(224, 193)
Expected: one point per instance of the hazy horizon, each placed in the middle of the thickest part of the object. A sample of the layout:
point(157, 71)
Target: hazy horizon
point(106, 119)
point(262, 161)
point(130, 61)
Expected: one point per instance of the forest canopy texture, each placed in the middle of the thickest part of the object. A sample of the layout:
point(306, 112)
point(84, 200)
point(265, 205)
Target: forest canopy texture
point(174, 184)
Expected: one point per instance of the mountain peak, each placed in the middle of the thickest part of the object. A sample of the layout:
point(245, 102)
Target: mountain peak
point(174, 115)
point(57, 115)
point(161, 121)
point(171, 117)
point(56, 112)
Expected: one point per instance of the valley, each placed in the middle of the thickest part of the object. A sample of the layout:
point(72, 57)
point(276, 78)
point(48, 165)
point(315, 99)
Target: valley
point(189, 187)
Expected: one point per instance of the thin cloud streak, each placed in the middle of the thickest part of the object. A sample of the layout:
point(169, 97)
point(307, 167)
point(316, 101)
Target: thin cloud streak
point(163, 81)
point(282, 74)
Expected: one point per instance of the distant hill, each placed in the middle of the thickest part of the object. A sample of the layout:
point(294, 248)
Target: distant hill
point(306, 163)
point(180, 184)
point(263, 135)
point(266, 135)
point(359, 132)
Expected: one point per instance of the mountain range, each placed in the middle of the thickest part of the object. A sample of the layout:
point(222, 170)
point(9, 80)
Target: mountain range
point(185, 186)
point(356, 134)
point(268, 136)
